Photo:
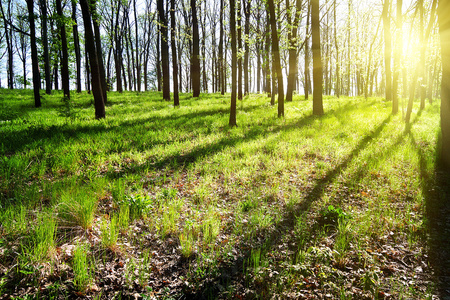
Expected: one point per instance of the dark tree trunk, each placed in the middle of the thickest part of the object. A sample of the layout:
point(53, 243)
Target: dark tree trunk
point(317, 59)
point(276, 55)
point(221, 60)
point(34, 55)
point(267, 57)
point(338, 63)
point(65, 54)
point(195, 64)
point(99, 102)
point(98, 46)
point(239, 47)
point(176, 98)
point(444, 30)
point(138, 50)
point(158, 57)
point(164, 51)
point(76, 43)
point(293, 68)
point(232, 121)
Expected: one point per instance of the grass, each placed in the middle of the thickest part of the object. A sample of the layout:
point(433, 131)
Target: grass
point(298, 205)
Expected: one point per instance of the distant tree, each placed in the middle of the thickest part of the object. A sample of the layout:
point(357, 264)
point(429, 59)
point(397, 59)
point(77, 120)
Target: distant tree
point(276, 57)
point(247, 9)
point(293, 48)
point(65, 53)
point(164, 51)
point(444, 30)
point(34, 55)
point(232, 121)
point(387, 48)
point(195, 59)
point(397, 56)
point(176, 98)
point(76, 42)
point(317, 59)
point(221, 58)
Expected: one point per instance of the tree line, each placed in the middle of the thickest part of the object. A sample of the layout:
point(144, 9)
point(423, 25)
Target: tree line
point(278, 47)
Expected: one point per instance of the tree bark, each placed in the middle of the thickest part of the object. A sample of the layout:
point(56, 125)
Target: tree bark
point(232, 121)
point(276, 55)
point(76, 42)
point(34, 55)
point(317, 58)
point(247, 7)
point(397, 57)
point(65, 54)
point(293, 45)
point(307, 81)
point(164, 51)
point(99, 102)
point(221, 60)
point(176, 98)
point(387, 49)
point(444, 31)
point(195, 65)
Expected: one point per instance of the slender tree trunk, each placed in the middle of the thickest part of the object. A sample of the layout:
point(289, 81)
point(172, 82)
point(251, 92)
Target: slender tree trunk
point(34, 55)
point(195, 67)
point(221, 60)
point(307, 81)
point(76, 43)
point(247, 7)
point(317, 59)
point(336, 46)
point(138, 49)
point(232, 121)
point(293, 68)
point(158, 56)
point(164, 51)
point(239, 48)
point(99, 102)
point(267, 59)
point(397, 57)
point(387, 48)
point(349, 29)
point(65, 55)
point(98, 47)
point(46, 56)
point(276, 55)
point(176, 98)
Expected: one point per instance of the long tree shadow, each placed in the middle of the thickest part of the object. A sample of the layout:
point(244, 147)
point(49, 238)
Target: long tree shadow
point(229, 272)
point(436, 190)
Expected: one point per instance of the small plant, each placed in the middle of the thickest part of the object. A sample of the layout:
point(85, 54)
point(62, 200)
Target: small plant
point(330, 216)
point(211, 227)
point(110, 233)
point(187, 243)
point(83, 277)
point(124, 217)
point(44, 236)
point(169, 193)
point(139, 205)
point(77, 209)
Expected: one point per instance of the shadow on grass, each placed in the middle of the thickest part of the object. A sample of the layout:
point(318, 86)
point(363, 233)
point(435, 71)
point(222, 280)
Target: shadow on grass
point(436, 190)
point(273, 236)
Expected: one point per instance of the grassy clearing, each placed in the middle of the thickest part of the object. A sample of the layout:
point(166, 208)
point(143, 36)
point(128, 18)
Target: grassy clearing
point(167, 202)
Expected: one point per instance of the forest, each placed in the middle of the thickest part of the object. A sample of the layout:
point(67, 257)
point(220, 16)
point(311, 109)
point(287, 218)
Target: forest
point(211, 149)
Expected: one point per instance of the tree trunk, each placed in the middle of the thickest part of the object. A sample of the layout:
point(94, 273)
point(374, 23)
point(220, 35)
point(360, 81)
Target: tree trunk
point(158, 56)
point(338, 63)
point(98, 46)
point(387, 49)
point(247, 8)
point(317, 58)
point(34, 55)
point(221, 60)
point(239, 48)
point(65, 55)
point(276, 55)
point(176, 98)
point(46, 56)
point(293, 68)
point(164, 51)
point(76, 43)
point(444, 30)
point(232, 121)
point(307, 81)
point(195, 65)
point(99, 102)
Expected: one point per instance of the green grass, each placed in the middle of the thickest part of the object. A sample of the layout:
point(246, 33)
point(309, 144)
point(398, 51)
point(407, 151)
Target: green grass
point(299, 201)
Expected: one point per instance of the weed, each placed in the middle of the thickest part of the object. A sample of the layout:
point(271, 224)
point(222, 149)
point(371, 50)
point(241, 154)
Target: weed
point(77, 208)
point(110, 234)
point(83, 276)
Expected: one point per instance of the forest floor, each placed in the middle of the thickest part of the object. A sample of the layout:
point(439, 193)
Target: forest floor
point(157, 202)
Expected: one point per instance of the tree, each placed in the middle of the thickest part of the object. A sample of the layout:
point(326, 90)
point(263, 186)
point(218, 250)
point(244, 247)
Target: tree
point(76, 42)
point(95, 73)
point(293, 45)
point(221, 60)
point(444, 31)
point(387, 49)
point(232, 121)
point(276, 57)
point(176, 98)
point(65, 54)
point(46, 55)
point(164, 51)
point(397, 57)
point(317, 58)
point(34, 55)
point(195, 60)
point(247, 9)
